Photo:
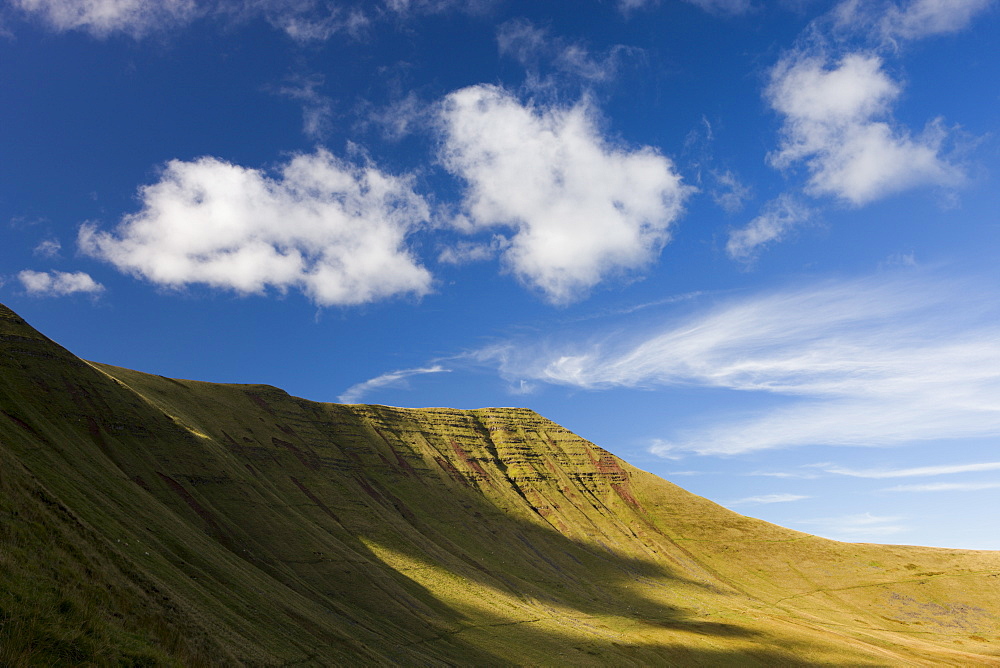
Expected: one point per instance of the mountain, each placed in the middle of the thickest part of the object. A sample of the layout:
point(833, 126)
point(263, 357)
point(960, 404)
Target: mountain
point(151, 521)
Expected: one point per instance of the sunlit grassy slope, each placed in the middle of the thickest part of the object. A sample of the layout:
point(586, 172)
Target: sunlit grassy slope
point(150, 521)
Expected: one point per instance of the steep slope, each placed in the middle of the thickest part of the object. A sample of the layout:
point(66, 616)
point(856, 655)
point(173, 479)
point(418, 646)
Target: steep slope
point(151, 520)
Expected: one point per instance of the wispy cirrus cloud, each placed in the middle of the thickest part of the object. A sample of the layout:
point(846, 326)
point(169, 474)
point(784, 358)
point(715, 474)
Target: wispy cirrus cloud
point(48, 248)
point(923, 18)
point(472, 251)
point(581, 208)
point(537, 50)
point(317, 109)
point(728, 191)
point(860, 526)
point(308, 21)
point(908, 20)
point(945, 487)
point(303, 21)
point(731, 7)
point(917, 471)
point(405, 116)
point(334, 230)
point(355, 393)
point(775, 221)
point(766, 499)
point(105, 17)
point(435, 6)
point(801, 475)
point(877, 361)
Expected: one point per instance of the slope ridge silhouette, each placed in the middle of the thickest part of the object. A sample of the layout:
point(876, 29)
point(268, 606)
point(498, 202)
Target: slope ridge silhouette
point(154, 521)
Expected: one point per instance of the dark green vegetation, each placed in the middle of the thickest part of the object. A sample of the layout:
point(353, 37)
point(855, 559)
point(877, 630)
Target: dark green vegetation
point(150, 521)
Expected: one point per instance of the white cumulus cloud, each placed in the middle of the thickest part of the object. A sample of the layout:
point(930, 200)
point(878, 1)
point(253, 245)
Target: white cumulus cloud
point(333, 230)
point(58, 283)
point(836, 121)
point(581, 208)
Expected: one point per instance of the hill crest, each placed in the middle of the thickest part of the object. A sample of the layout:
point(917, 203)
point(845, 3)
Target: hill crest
point(189, 522)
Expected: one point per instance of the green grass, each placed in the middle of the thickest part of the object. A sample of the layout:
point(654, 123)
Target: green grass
point(152, 521)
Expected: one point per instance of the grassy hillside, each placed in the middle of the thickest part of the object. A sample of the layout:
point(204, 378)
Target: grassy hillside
point(152, 521)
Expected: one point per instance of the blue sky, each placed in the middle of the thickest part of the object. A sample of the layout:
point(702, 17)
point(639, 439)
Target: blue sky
point(750, 247)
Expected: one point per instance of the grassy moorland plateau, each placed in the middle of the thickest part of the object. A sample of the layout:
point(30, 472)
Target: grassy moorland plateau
point(152, 521)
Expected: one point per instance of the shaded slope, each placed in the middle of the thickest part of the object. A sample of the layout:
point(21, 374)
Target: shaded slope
point(150, 519)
